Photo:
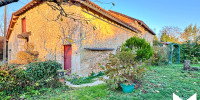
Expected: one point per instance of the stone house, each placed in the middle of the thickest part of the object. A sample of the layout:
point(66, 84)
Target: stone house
point(79, 40)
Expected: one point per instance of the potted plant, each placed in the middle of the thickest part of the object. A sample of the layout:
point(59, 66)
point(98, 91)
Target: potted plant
point(127, 66)
point(127, 88)
point(61, 75)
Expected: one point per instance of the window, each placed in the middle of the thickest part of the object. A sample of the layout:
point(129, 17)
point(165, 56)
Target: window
point(23, 25)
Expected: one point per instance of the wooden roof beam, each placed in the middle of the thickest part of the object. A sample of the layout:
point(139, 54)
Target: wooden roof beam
point(15, 17)
point(14, 21)
point(11, 29)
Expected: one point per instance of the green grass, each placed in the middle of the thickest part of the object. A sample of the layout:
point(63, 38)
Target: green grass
point(86, 93)
point(159, 84)
point(168, 80)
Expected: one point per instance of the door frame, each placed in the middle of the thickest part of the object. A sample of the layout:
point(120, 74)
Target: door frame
point(65, 58)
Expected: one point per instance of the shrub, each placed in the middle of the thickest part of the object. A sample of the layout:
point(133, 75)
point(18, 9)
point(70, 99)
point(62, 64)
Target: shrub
point(6, 78)
point(11, 80)
point(195, 60)
point(143, 48)
point(17, 80)
point(123, 68)
point(160, 56)
point(42, 70)
point(190, 51)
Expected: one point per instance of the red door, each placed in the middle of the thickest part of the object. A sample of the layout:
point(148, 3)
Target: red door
point(67, 57)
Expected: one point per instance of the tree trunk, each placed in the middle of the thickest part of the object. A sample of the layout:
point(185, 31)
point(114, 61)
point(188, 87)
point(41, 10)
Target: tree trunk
point(186, 65)
point(4, 42)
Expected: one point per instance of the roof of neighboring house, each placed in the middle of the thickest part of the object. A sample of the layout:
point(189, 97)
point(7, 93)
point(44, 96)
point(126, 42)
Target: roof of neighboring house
point(86, 3)
point(140, 22)
point(166, 43)
point(5, 2)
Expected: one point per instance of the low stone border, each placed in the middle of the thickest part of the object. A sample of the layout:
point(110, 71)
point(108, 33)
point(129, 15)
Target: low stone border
point(84, 85)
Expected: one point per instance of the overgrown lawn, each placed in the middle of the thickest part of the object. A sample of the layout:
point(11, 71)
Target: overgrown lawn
point(159, 83)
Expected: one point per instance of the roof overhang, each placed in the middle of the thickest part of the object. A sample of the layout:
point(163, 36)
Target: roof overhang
point(5, 2)
point(16, 15)
point(139, 21)
point(87, 3)
point(105, 13)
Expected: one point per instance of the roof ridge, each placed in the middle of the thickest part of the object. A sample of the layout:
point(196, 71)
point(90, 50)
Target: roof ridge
point(140, 21)
point(123, 15)
point(107, 12)
point(33, 3)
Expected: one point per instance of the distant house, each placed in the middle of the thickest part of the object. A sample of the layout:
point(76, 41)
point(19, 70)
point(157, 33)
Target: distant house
point(165, 44)
point(77, 44)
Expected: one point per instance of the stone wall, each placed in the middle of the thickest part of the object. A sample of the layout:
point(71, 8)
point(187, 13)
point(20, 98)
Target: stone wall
point(45, 35)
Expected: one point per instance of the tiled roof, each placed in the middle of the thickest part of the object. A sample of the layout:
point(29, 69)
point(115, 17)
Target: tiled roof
point(16, 14)
point(87, 3)
point(141, 22)
point(105, 12)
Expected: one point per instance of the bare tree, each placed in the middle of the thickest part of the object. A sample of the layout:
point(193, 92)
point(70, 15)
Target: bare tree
point(170, 34)
point(1, 30)
point(71, 32)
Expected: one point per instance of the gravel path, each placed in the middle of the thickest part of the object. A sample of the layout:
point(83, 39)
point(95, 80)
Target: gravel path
point(85, 85)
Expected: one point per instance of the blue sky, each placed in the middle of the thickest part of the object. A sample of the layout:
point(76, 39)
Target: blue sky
point(155, 13)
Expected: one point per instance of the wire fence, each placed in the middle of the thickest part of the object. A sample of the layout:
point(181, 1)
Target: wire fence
point(175, 54)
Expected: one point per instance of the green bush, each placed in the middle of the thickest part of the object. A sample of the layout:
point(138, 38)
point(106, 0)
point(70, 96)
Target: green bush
point(18, 80)
point(195, 60)
point(190, 51)
point(143, 48)
point(6, 78)
point(42, 70)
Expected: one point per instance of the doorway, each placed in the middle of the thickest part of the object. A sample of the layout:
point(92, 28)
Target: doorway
point(67, 57)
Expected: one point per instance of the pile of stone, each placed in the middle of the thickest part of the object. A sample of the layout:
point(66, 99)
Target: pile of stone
point(27, 56)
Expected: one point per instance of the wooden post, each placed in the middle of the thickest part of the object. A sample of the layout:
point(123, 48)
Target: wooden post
point(186, 65)
point(4, 42)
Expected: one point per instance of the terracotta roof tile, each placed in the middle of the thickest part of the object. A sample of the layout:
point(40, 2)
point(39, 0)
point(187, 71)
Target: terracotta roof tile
point(35, 3)
point(19, 12)
point(141, 22)
point(105, 11)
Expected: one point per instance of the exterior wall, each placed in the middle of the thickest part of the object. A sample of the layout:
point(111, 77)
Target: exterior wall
point(44, 35)
point(145, 34)
point(48, 38)
point(107, 35)
point(148, 37)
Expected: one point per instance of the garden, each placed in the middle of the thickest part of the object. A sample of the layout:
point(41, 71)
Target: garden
point(159, 82)
point(137, 71)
